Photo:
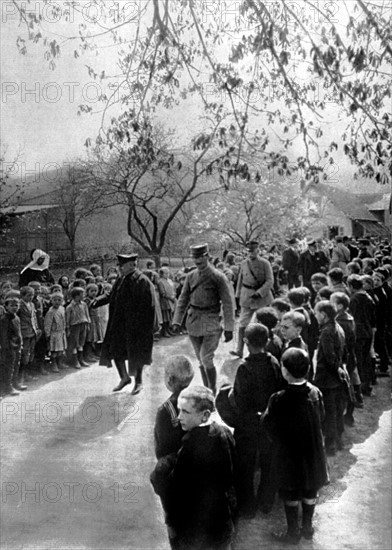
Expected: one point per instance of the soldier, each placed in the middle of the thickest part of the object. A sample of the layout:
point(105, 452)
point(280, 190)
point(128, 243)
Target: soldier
point(255, 282)
point(290, 260)
point(204, 292)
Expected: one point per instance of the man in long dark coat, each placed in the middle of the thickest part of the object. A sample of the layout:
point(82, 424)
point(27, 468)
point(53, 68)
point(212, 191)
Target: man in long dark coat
point(130, 330)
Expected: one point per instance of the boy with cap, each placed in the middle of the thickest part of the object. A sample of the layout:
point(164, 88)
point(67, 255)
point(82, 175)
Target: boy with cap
point(254, 290)
point(205, 293)
point(293, 420)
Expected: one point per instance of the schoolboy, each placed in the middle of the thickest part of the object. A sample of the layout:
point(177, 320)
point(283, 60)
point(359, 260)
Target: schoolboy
point(10, 348)
point(318, 281)
point(336, 283)
point(41, 344)
point(293, 420)
point(296, 299)
point(328, 376)
point(77, 320)
point(29, 329)
point(281, 307)
point(313, 330)
point(257, 378)
point(200, 514)
point(341, 303)
point(268, 317)
point(167, 431)
point(363, 309)
point(291, 326)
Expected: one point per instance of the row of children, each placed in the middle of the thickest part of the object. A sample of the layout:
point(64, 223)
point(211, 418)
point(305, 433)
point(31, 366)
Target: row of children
point(36, 327)
point(204, 473)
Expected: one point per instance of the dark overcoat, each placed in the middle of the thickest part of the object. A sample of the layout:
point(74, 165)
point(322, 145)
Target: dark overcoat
point(293, 420)
point(130, 330)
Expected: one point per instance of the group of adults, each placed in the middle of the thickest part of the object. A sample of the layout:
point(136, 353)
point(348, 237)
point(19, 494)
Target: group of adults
point(206, 302)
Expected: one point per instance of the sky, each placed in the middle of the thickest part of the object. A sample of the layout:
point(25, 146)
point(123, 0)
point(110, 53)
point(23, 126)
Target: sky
point(39, 107)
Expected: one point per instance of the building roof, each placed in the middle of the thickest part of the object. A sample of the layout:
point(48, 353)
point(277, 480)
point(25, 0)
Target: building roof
point(347, 202)
point(25, 208)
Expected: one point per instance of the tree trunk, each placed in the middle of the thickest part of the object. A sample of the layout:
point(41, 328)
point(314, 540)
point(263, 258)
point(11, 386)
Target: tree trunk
point(156, 256)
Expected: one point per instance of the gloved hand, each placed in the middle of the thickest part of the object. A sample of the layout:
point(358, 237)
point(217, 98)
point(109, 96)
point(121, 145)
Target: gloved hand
point(228, 335)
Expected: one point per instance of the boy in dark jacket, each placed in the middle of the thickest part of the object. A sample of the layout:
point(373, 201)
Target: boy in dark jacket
point(363, 309)
point(10, 348)
point(200, 491)
point(341, 303)
point(257, 378)
point(329, 374)
point(293, 421)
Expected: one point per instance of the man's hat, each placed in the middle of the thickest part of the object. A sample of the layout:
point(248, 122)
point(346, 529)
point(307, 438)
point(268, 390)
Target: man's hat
point(293, 241)
point(125, 258)
point(310, 241)
point(252, 245)
point(199, 250)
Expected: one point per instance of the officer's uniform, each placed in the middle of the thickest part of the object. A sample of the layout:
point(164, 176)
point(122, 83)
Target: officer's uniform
point(203, 294)
point(255, 277)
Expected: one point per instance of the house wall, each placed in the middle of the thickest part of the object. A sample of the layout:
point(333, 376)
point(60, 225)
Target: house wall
point(327, 217)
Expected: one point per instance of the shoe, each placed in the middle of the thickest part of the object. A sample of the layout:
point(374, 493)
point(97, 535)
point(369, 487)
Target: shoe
point(307, 533)
point(383, 374)
point(20, 387)
point(43, 371)
point(287, 538)
point(358, 404)
point(236, 353)
point(55, 368)
point(331, 451)
point(31, 377)
point(349, 420)
point(122, 384)
point(13, 391)
point(367, 391)
point(137, 389)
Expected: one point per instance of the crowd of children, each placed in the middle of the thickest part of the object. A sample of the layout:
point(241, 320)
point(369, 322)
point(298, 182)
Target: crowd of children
point(314, 354)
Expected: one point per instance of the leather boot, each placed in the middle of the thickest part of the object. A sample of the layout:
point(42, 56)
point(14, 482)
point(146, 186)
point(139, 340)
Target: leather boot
point(138, 381)
point(122, 371)
point(240, 344)
point(82, 362)
point(204, 376)
point(211, 377)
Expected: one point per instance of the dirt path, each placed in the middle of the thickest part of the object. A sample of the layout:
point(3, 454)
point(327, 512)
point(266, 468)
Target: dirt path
point(74, 477)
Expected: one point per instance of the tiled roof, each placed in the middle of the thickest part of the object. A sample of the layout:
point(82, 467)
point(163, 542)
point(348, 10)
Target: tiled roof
point(346, 201)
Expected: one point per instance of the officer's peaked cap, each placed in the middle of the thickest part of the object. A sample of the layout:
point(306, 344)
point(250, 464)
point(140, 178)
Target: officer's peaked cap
point(199, 250)
point(252, 244)
point(125, 258)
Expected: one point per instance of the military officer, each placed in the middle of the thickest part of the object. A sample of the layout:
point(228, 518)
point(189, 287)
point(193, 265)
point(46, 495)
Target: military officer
point(130, 330)
point(205, 292)
point(255, 282)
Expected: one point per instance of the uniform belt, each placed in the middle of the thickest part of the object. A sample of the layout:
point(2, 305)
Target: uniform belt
point(207, 308)
point(251, 287)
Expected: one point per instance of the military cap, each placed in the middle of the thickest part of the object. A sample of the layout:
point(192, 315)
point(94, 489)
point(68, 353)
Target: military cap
point(125, 258)
point(251, 245)
point(310, 241)
point(199, 250)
